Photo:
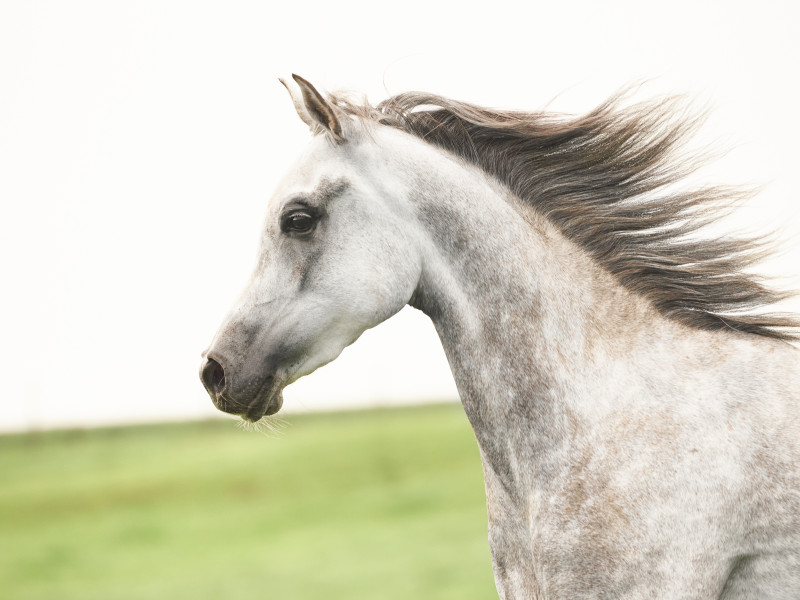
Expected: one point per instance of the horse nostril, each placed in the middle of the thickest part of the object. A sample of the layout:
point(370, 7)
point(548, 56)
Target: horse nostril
point(213, 376)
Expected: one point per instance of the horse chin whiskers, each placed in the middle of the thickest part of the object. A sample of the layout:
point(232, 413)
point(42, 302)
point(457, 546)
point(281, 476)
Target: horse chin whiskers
point(270, 426)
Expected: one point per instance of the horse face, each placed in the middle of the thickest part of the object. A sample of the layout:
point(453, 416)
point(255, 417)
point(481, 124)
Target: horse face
point(337, 257)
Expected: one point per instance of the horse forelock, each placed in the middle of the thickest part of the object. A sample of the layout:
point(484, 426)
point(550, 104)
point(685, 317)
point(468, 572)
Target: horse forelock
point(608, 180)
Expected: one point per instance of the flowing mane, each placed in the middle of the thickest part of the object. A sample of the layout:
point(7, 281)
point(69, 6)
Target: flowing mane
point(607, 181)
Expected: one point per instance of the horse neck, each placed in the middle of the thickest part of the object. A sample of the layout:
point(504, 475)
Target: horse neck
point(529, 323)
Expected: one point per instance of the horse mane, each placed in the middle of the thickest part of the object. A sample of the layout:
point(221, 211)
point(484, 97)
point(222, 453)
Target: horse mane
point(607, 180)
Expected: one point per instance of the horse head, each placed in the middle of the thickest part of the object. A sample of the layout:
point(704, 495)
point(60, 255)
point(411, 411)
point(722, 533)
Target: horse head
point(336, 257)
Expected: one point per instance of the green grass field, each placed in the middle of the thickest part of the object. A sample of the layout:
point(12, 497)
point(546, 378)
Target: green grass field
point(375, 504)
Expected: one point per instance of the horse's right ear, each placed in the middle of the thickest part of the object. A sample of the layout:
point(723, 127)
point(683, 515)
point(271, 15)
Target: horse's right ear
point(313, 109)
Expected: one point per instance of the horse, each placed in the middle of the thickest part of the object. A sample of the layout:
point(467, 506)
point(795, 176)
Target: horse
point(635, 403)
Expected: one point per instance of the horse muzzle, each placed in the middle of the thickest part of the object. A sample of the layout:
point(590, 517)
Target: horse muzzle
point(251, 399)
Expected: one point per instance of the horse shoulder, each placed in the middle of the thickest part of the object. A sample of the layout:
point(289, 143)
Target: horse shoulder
point(706, 467)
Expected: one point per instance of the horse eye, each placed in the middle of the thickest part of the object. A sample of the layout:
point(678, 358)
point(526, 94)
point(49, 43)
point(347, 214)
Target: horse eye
point(298, 222)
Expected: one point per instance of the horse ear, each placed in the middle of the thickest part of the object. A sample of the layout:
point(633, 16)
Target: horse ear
point(313, 109)
point(299, 105)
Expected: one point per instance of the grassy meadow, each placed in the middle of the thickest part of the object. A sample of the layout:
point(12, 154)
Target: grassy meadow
point(373, 504)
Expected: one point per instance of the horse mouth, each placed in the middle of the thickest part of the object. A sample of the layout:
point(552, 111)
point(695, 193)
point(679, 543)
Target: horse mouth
point(266, 405)
point(267, 400)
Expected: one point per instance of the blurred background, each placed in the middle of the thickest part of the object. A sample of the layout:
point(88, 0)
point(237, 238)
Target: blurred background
point(139, 143)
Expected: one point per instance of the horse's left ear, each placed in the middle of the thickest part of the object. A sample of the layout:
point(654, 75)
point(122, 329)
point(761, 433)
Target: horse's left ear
point(314, 110)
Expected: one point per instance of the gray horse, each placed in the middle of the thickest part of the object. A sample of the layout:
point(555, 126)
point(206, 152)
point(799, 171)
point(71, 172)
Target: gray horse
point(636, 408)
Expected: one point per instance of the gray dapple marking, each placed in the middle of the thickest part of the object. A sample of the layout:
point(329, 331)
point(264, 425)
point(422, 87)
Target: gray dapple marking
point(637, 414)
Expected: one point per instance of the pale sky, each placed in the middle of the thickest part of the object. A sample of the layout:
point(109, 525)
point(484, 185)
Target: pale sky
point(140, 141)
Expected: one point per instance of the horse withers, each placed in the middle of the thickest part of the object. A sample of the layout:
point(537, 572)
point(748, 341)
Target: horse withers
point(636, 407)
